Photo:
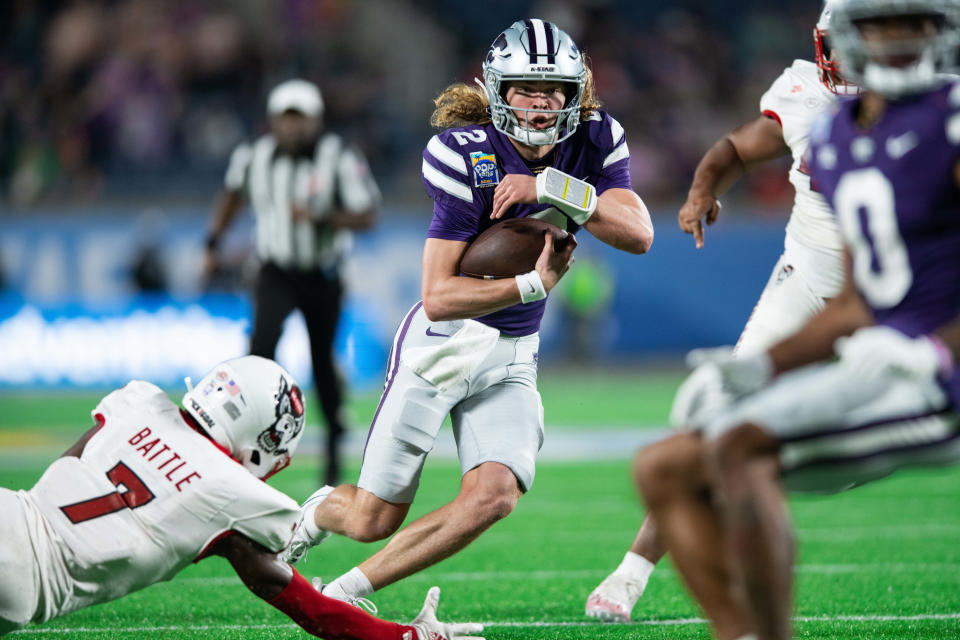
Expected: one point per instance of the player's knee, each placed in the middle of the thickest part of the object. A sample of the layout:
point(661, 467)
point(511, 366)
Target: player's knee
point(734, 452)
point(491, 502)
point(494, 506)
point(662, 469)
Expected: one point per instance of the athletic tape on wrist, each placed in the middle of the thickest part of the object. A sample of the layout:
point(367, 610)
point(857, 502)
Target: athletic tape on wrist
point(530, 286)
point(576, 198)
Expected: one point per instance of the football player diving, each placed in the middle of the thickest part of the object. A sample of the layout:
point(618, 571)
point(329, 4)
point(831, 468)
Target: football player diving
point(154, 486)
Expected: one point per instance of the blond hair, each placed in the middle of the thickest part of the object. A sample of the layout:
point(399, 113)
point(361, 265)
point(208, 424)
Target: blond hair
point(461, 104)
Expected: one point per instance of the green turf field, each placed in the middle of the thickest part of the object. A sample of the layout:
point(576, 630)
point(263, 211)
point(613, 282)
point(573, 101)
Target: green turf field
point(879, 562)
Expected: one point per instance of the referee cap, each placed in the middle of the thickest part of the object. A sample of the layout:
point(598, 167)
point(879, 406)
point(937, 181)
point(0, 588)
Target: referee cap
point(295, 95)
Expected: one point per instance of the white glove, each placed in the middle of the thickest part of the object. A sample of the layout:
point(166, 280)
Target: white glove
point(717, 381)
point(429, 628)
point(873, 352)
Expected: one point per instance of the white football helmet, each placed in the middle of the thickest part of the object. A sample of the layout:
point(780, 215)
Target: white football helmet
point(830, 74)
point(534, 50)
point(935, 55)
point(252, 407)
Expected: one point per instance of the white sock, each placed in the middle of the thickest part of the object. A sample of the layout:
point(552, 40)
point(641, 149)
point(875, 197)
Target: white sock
point(353, 584)
point(635, 567)
point(749, 636)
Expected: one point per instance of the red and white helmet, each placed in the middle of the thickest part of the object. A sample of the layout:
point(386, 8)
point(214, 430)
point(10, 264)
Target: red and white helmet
point(252, 407)
point(830, 74)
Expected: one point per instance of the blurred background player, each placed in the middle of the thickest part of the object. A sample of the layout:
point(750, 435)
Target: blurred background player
point(514, 148)
point(869, 385)
point(154, 486)
point(808, 273)
point(308, 190)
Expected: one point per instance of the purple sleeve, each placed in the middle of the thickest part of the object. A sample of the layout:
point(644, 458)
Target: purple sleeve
point(457, 206)
point(451, 221)
point(609, 136)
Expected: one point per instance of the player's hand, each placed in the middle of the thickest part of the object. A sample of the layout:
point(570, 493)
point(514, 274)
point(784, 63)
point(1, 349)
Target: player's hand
point(429, 628)
point(873, 352)
point(699, 206)
point(551, 265)
point(718, 379)
point(514, 188)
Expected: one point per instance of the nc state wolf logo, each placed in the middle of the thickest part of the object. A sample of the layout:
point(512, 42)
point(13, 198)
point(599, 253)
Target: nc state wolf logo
point(289, 422)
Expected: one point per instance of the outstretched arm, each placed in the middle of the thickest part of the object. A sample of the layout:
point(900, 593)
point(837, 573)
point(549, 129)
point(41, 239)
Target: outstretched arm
point(722, 165)
point(281, 586)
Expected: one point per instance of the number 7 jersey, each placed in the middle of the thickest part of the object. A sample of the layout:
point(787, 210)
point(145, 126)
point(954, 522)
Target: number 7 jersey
point(146, 498)
point(893, 188)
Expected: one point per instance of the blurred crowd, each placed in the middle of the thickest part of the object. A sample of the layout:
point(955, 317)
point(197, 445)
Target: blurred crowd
point(142, 100)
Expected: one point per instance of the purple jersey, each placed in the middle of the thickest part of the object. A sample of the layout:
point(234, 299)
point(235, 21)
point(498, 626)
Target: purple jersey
point(463, 166)
point(894, 191)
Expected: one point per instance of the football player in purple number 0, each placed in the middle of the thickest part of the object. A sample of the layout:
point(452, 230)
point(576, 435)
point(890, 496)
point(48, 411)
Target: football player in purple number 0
point(530, 141)
point(867, 386)
point(808, 273)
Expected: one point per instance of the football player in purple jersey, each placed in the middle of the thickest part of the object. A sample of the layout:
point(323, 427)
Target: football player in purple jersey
point(809, 272)
point(530, 141)
point(869, 385)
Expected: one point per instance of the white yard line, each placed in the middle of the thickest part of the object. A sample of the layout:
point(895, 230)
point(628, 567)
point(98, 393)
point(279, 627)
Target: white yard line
point(491, 623)
point(469, 576)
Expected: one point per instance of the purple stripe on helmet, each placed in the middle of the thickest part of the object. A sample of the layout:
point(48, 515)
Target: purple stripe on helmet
point(531, 41)
point(863, 427)
point(846, 460)
point(392, 374)
point(548, 28)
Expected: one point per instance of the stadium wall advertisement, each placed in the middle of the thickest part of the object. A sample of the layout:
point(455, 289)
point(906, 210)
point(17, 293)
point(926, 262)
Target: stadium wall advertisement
point(71, 314)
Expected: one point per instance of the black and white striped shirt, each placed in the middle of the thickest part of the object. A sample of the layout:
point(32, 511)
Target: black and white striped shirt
point(336, 176)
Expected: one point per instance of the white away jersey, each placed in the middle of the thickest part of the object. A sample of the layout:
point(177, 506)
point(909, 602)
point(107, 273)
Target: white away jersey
point(146, 498)
point(795, 99)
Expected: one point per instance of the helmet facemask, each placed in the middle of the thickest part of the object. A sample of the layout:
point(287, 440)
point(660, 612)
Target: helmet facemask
point(528, 51)
point(874, 64)
point(830, 73)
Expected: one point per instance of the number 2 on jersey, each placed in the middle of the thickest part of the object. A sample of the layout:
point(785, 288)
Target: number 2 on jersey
point(463, 137)
point(136, 495)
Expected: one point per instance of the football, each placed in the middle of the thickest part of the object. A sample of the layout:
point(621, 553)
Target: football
point(509, 248)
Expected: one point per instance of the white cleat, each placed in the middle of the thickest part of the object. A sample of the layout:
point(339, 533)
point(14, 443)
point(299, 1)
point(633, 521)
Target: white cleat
point(332, 591)
point(306, 535)
point(614, 598)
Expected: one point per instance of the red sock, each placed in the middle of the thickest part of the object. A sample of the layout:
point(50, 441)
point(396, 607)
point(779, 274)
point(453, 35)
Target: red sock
point(332, 619)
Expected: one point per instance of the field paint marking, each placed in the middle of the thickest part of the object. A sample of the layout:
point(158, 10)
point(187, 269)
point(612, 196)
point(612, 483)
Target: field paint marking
point(493, 623)
point(466, 576)
point(829, 534)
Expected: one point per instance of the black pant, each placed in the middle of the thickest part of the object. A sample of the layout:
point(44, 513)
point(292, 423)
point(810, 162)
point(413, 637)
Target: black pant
point(319, 295)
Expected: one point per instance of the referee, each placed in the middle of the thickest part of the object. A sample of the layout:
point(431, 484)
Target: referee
point(308, 190)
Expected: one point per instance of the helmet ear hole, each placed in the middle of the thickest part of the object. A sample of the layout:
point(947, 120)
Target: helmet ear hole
point(255, 457)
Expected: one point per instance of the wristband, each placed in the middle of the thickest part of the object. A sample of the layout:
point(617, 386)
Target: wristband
point(530, 286)
point(945, 362)
point(575, 198)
